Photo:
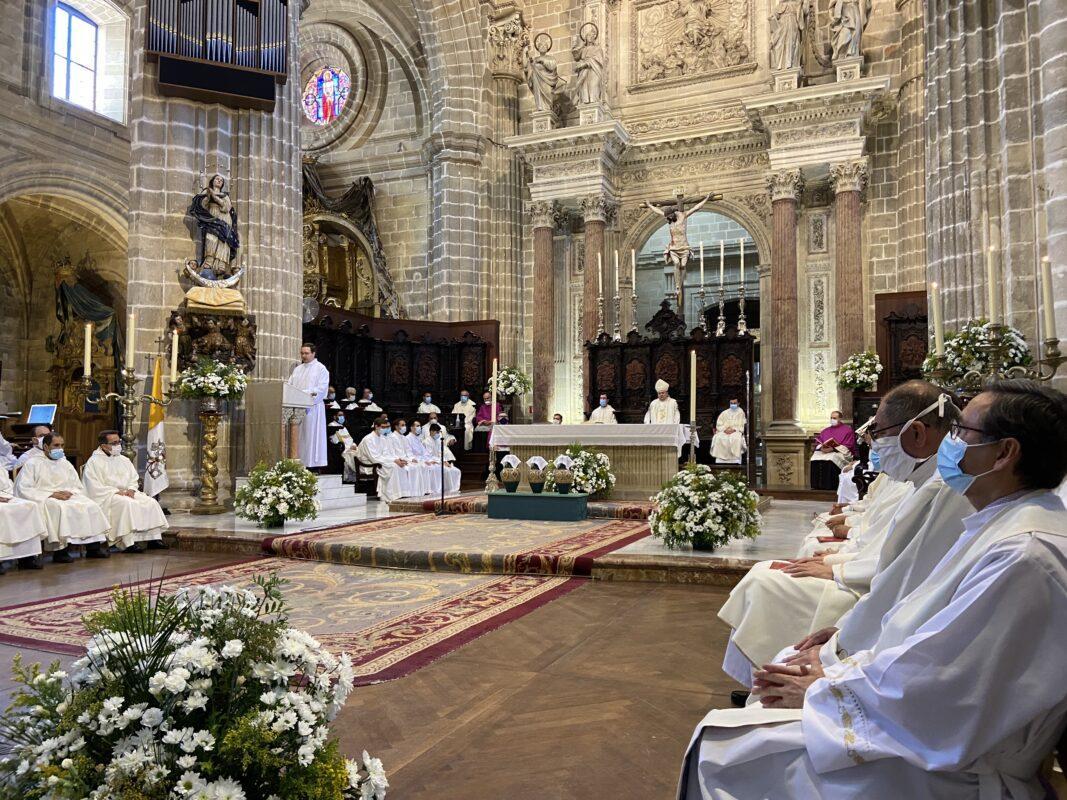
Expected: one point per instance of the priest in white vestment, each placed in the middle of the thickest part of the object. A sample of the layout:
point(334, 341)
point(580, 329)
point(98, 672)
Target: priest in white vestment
point(421, 454)
point(779, 603)
point(959, 693)
point(110, 480)
point(366, 403)
point(70, 516)
point(728, 443)
point(397, 477)
point(36, 449)
point(312, 377)
point(603, 414)
point(465, 408)
point(664, 409)
point(21, 525)
point(427, 405)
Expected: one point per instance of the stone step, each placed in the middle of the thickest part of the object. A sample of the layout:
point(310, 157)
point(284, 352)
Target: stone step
point(332, 493)
point(351, 501)
point(336, 492)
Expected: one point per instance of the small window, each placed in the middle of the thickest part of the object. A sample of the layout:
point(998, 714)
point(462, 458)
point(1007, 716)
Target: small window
point(74, 57)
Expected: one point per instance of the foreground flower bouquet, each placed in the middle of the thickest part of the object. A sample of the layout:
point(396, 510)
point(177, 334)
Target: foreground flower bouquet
point(275, 494)
point(204, 695)
point(704, 508)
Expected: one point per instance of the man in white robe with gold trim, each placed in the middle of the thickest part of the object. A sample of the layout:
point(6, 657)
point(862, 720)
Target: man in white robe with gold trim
point(664, 409)
point(110, 480)
point(959, 694)
point(728, 443)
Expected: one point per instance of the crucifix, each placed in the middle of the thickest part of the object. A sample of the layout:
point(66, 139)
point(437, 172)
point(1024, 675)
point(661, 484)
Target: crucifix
point(678, 250)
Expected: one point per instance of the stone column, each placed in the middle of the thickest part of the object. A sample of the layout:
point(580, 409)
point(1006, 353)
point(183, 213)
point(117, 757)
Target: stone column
point(785, 439)
point(173, 141)
point(911, 152)
point(848, 180)
point(544, 310)
point(596, 210)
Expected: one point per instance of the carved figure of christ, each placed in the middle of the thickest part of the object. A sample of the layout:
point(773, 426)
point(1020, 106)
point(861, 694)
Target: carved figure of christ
point(678, 249)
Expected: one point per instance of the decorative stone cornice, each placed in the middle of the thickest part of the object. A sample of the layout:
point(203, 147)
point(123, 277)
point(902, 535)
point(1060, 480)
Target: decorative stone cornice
point(785, 185)
point(506, 37)
point(849, 176)
point(454, 146)
point(542, 213)
point(598, 208)
point(572, 162)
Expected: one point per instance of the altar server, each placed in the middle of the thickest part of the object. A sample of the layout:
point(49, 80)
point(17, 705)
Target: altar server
point(664, 409)
point(927, 708)
point(413, 440)
point(70, 516)
point(603, 414)
point(465, 408)
point(397, 477)
point(311, 376)
point(21, 526)
point(728, 444)
point(427, 405)
point(36, 449)
point(110, 480)
point(453, 475)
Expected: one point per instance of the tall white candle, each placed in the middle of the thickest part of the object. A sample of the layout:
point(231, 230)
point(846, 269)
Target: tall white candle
point(173, 356)
point(1048, 302)
point(599, 275)
point(939, 325)
point(87, 355)
point(722, 262)
point(991, 289)
point(131, 336)
point(633, 271)
point(742, 243)
point(492, 405)
point(701, 265)
point(692, 385)
point(616, 273)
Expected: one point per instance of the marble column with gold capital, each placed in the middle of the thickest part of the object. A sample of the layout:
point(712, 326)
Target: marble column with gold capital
point(543, 221)
point(848, 180)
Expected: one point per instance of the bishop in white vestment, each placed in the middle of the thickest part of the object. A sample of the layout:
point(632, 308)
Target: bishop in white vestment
point(21, 524)
point(70, 516)
point(311, 376)
point(603, 414)
point(110, 480)
point(664, 409)
point(728, 443)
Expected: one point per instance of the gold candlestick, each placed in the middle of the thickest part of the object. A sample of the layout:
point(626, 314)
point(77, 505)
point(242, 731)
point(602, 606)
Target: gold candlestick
point(742, 325)
point(617, 333)
point(633, 312)
point(720, 326)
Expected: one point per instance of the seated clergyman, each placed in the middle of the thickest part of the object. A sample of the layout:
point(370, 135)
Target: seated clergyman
point(110, 479)
point(21, 526)
point(603, 414)
point(452, 474)
point(70, 516)
point(397, 476)
point(728, 443)
point(924, 707)
point(36, 449)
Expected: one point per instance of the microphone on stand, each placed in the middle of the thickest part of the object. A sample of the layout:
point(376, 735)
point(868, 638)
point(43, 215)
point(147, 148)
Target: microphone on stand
point(441, 505)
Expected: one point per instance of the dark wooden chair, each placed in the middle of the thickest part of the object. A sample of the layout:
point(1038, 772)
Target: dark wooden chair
point(863, 479)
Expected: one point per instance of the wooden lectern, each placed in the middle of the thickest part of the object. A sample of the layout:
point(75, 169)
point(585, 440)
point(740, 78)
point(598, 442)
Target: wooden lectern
point(295, 405)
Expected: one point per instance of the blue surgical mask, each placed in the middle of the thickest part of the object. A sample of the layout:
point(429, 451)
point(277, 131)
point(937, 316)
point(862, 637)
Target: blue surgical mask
point(603, 403)
point(436, 437)
point(330, 396)
point(340, 420)
point(386, 431)
point(876, 461)
point(426, 399)
point(949, 458)
point(416, 430)
point(733, 406)
point(463, 398)
point(55, 455)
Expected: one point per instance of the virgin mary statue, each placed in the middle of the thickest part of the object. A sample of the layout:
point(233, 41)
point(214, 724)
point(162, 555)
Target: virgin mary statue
point(217, 220)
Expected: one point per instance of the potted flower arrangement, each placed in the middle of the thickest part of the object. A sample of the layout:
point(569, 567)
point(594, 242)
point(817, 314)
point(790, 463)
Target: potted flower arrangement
point(590, 471)
point(210, 381)
point(284, 491)
point(205, 694)
point(511, 382)
point(859, 372)
point(974, 346)
point(704, 508)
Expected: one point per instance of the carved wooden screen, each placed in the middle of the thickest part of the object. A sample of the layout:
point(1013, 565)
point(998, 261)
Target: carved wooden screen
point(901, 336)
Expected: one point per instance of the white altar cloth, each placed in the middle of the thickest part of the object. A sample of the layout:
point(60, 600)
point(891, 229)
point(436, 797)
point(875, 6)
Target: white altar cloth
point(603, 435)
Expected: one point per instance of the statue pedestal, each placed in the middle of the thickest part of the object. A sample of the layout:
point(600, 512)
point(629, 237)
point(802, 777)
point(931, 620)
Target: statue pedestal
point(543, 121)
point(785, 80)
point(787, 455)
point(849, 69)
point(593, 114)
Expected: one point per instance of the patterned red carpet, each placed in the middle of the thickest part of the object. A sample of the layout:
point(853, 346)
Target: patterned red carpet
point(477, 503)
point(391, 622)
point(467, 543)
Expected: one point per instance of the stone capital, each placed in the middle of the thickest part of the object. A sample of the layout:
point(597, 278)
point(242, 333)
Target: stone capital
point(848, 176)
point(506, 37)
point(542, 213)
point(598, 208)
point(785, 185)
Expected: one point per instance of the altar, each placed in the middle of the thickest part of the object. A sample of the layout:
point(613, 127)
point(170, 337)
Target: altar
point(643, 457)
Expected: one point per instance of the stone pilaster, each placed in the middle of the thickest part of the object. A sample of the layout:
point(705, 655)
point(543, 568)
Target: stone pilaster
point(172, 143)
point(543, 222)
point(848, 180)
point(596, 211)
point(911, 153)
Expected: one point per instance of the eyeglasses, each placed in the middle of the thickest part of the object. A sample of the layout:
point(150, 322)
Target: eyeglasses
point(955, 428)
point(873, 434)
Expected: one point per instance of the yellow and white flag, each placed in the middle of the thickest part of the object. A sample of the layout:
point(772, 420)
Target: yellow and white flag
point(155, 474)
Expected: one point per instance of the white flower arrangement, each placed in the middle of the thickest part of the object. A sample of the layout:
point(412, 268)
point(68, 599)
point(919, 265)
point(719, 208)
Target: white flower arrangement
point(860, 371)
point(511, 382)
point(969, 349)
point(274, 494)
point(209, 378)
point(204, 695)
point(705, 508)
point(591, 470)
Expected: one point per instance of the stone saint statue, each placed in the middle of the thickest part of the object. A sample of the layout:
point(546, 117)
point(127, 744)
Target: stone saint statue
point(788, 22)
point(542, 74)
point(678, 250)
point(588, 65)
point(848, 18)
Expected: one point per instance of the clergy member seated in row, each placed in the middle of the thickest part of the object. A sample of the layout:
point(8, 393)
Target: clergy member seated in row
point(483, 418)
point(331, 399)
point(21, 527)
point(834, 448)
point(427, 405)
point(557, 419)
point(366, 402)
point(429, 456)
point(603, 414)
point(464, 412)
point(339, 432)
point(728, 444)
point(453, 476)
point(351, 399)
point(432, 419)
point(397, 477)
point(778, 603)
point(36, 449)
point(664, 409)
point(957, 689)
point(7, 454)
point(70, 516)
point(110, 480)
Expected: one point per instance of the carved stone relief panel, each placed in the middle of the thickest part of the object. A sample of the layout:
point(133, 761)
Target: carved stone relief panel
point(681, 41)
point(819, 382)
point(817, 238)
point(818, 288)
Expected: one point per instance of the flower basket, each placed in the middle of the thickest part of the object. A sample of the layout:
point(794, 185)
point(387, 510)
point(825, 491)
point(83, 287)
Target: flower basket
point(974, 347)
point(860, 372)
point(214, 379)
point(285, 491)
point(590, 471)
point(510, 382)
point(208, 693)
point(704, 508)
point(510, 477)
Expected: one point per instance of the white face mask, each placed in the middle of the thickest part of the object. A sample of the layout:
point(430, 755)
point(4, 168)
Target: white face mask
point(893, 458)
point(834, 423)
point(416, 430)
point(115, 449)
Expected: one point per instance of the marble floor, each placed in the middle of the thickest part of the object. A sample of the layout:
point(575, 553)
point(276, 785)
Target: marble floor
point(228, 523)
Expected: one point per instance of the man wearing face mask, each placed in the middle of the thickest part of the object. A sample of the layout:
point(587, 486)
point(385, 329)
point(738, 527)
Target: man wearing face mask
point(397, 477)
point(603, 414)
point(21, 527)
point(36, 447)
point(835, 447)
point(452, 473)
point(110, 480)
point(777, 604)
point(926, 707)
point(557, 419)
point(7, 454)
point(70, 516)
point(367, 401)
point(465, 409)
point(427, 405)
point(331, 399)
point(728, 443)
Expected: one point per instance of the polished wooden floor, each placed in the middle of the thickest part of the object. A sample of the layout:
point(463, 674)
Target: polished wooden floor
point(591, 696)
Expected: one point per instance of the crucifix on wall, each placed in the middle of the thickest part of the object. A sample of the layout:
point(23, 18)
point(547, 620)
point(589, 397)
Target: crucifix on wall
point(678, 251)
